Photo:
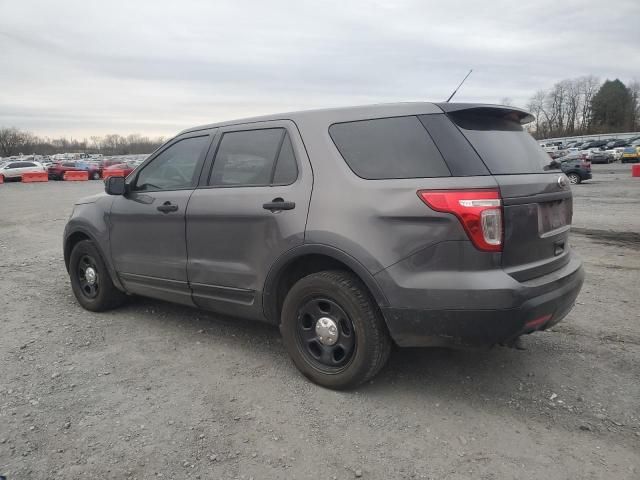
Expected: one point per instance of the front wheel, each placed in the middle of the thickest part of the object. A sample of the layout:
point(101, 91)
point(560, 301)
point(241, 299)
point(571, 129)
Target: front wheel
point(90, 279)
point(574, 178)
point(333, 330)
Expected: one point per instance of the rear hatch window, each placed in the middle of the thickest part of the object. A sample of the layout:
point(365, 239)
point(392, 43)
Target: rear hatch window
point(503, 145)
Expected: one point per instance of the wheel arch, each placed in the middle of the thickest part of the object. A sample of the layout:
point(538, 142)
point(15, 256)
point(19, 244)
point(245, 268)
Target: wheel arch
point(304, 260)
point(79, 234)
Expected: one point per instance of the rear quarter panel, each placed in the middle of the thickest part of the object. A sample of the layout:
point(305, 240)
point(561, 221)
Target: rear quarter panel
point(378, 222)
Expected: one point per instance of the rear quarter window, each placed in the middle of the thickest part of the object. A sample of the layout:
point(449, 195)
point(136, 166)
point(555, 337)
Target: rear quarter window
point(387, 148)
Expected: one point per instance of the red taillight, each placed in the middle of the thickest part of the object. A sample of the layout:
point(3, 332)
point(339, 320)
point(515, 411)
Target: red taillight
point(586, 164)
point(479, 211)
point(537, 322)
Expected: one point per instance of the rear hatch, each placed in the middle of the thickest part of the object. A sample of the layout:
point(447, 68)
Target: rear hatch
point(537, 200)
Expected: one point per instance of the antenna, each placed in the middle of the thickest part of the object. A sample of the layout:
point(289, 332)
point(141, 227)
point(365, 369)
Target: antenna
point(456, 90)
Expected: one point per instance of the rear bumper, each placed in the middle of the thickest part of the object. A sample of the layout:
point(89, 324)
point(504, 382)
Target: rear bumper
point(540, 303)
point(586, 176)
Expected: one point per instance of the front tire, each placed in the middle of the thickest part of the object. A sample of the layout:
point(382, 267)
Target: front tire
point(574, 178)
point(334, 331)
point(90, 279)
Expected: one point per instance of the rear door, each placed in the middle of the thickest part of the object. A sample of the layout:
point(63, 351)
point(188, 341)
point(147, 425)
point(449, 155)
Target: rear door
point(536, 196)
point(147, 225)
point(250, 207)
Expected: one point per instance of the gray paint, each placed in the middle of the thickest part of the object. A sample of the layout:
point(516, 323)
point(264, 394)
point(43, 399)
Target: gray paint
point(222, 251)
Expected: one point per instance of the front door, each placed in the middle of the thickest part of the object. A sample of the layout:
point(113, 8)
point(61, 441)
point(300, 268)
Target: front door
point(147, 225)
point(249, 209)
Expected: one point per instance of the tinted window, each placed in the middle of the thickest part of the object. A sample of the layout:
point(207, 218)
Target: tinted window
point(286, 167)
point(388, 148)
point(174, 168)
point(247, 157)
point(502, 144)
point(461, 158)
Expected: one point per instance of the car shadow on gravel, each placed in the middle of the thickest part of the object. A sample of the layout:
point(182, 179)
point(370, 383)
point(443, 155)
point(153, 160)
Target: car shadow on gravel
point(448, 371)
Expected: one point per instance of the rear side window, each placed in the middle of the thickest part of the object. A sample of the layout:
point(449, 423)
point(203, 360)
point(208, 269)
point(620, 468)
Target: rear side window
point(254, 158)
point(386, 148)
point(286, 167)
point(502, 144)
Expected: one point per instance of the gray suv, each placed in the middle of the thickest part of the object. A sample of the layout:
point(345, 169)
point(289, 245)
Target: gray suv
point(418, 224)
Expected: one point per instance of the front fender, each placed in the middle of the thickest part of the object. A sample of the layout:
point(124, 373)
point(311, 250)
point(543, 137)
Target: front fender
point(91, 220)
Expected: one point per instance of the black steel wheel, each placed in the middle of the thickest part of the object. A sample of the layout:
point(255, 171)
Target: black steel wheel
point(326, 334)
point(333, 330)
point(90, 279)
point(88, 276)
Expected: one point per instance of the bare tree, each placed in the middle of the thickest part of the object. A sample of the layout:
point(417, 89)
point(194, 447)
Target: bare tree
point(11, 140)
point(572, 88)
point(588, 86)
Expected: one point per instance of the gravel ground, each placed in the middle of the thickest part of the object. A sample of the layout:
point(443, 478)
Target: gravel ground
point(155, 390)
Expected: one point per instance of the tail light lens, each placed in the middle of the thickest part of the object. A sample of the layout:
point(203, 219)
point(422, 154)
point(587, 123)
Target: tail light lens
point(479, 212)
point(586, 164)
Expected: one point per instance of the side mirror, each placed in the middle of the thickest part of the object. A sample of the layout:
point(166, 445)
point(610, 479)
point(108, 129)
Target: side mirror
point(115, 186)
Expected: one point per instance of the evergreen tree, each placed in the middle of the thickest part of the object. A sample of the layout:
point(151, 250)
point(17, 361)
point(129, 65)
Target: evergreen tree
point(611, 107)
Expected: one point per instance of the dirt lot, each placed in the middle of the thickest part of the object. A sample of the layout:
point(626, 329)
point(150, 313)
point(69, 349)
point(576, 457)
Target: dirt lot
point(155, 390)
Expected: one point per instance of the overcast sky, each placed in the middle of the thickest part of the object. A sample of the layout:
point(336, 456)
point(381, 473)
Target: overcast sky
point(81, 68)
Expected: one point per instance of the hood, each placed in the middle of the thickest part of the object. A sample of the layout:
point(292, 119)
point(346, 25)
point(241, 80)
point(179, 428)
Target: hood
point(90, 199)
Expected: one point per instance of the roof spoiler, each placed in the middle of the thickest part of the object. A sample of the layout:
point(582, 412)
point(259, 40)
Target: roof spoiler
point(501, 111)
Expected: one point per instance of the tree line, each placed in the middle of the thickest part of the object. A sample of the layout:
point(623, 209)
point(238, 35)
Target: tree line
point(583, 106)
point(14, 141)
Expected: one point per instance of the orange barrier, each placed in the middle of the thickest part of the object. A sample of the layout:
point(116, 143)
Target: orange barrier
point(76, 175)
point(635, 170)
point(1, 178)
point(32, 177)
point(113, 172)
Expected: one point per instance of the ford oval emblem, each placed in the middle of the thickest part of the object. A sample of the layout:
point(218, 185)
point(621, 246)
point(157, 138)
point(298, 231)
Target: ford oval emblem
point(562, 181)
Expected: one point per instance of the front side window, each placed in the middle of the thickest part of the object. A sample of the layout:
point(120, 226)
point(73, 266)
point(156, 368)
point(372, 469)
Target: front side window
point(254, 158)
point(175, 168)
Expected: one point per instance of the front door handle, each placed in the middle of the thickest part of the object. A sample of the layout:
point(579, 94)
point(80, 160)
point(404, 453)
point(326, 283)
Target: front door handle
point(167, 207)
point(278, 204)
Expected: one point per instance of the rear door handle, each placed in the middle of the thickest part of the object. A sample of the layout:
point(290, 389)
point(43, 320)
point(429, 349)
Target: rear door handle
point(278, 204)
point(167, 207)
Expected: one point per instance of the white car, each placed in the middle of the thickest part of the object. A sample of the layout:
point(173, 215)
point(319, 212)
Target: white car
point(16, 168)
point(616, 153)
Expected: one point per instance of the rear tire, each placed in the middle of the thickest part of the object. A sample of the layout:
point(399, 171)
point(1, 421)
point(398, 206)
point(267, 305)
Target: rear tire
point(574, 178)
point(340, 300)
point(90, 279)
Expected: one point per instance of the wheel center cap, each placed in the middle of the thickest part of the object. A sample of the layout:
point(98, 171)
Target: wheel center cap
point(90, 275)
point(327, 331)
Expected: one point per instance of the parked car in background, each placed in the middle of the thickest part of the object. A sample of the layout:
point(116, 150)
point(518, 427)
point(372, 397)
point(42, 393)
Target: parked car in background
point(15, 170)
point(125, 167)
point(575, 166)
point(616, 153)
point(616, 143)
point(593, 144)
point(631, 154)
point(599, 156)
point(57, 170)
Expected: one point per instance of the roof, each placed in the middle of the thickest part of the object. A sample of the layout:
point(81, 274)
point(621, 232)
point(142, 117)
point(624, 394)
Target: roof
point(370, 111)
